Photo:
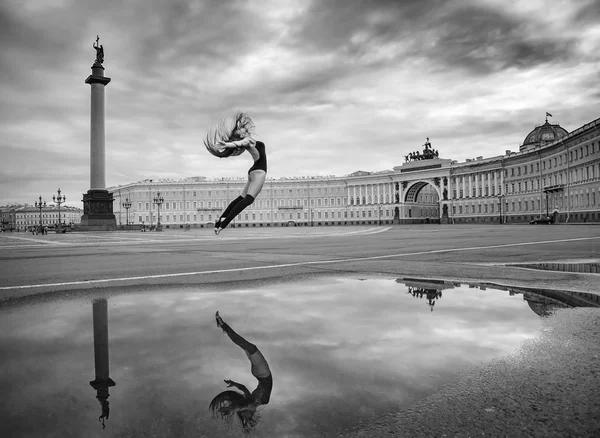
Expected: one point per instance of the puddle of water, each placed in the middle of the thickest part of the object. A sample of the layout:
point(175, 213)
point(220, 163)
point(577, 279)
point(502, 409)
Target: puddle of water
point(589, 268)
point(341, 351)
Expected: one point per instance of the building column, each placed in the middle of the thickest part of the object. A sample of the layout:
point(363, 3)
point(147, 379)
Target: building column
point(470, 186)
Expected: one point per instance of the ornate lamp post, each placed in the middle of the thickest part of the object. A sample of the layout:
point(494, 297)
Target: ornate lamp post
point(127, 206)
point(158, 200)
point(59, 200)
point(500, 207)
point(40, 205)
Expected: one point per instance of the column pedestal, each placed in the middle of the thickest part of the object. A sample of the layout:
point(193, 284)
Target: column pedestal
point(98, 211)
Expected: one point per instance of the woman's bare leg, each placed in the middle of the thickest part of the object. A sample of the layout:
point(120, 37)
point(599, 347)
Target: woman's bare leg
point(245, 190)
point(256, 180)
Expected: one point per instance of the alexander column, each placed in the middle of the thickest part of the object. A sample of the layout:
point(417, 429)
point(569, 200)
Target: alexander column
point(97, 202)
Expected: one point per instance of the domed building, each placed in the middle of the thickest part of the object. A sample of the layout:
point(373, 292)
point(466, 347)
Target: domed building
point(543, 306)
point(543, 135)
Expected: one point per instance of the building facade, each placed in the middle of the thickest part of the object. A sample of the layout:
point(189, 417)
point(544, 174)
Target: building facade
point(8, 219)
point(27, 217)
point(555, 173)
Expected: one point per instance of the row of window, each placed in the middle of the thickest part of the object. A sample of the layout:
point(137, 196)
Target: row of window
point(45, 222)
point(557, 161)
point(554, 200)
point(276, 216)
point(483, 191)
point(576, 176)
point(36, 216)
point(574, 155)
point(318, 202)
point(210, 193)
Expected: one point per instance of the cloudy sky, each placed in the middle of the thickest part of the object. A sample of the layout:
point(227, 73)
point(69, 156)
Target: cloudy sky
point(334, 86)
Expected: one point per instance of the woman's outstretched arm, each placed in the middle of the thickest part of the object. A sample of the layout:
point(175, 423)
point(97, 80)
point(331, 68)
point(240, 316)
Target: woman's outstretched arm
point(239, 386)
point(244, 143)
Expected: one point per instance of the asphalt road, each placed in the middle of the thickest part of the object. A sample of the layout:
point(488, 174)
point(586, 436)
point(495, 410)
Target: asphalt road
point(35, 264)
point(548, 388)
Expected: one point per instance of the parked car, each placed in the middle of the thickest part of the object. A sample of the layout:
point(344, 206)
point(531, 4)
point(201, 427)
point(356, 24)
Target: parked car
point(542, 221)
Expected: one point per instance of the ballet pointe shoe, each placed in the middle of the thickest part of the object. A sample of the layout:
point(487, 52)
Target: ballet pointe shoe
point(218, 230)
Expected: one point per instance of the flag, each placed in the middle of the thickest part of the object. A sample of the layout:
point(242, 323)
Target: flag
point(549, 115)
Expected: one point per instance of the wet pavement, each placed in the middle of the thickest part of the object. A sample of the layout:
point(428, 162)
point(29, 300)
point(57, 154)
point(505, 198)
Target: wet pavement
point(344, 353)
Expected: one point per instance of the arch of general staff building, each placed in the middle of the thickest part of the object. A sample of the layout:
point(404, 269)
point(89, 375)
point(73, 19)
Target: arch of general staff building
point(553, 175)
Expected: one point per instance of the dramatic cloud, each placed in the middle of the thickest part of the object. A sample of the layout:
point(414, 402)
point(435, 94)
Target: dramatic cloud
point(334, 86)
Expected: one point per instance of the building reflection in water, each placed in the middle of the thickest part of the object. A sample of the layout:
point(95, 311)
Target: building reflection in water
point(430, 290)
point(102, 381)
point(542, 302)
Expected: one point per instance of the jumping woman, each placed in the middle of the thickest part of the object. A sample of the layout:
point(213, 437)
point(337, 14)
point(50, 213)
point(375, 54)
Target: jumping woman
point(231, 141)
point(231, 404)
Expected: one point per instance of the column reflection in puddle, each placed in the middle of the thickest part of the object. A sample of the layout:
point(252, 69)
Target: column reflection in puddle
point(102, 381)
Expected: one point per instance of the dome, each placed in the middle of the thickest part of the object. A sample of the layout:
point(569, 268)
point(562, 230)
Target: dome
point(542, 135)
point(541, 305)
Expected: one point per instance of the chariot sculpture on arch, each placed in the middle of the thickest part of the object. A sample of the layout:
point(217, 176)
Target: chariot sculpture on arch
point(99, 51)
point(428, 153)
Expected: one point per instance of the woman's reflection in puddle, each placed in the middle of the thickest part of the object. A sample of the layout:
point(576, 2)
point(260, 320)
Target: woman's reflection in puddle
point(243, 405)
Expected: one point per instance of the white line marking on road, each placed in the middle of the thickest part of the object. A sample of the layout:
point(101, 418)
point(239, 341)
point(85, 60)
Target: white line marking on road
point(29, 239)
point(261, 236)
point(287, 265)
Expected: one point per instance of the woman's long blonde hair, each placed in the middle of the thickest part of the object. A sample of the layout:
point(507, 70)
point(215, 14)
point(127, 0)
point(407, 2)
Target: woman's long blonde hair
point(227, 407)
point(229, 130)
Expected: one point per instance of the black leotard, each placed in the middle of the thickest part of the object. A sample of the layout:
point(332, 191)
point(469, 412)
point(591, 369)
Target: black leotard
point(261, 163)
point(262, 393)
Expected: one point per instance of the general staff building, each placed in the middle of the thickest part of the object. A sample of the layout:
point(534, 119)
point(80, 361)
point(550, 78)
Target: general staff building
point(554, 174)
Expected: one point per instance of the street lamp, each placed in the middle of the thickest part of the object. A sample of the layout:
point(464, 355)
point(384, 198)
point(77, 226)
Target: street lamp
point(158, 200)
point(59, 200)
point(127, 206)
point(500, 207)
point(40, 205)
point(379, 209)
